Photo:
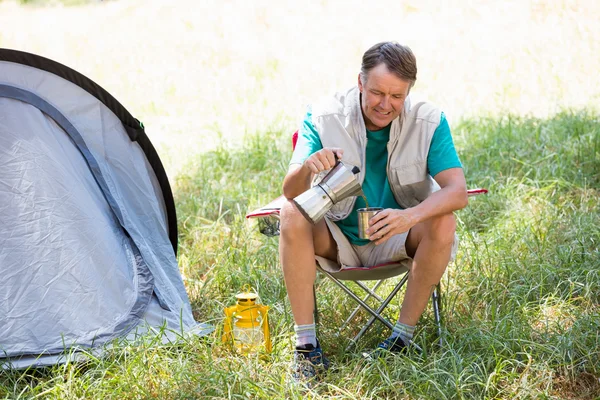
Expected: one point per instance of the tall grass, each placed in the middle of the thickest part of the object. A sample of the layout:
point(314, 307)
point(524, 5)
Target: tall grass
point(521, 302)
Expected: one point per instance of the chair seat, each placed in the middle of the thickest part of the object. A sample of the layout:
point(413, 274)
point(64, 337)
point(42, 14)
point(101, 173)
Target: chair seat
point(374, 273)
point(270, 209)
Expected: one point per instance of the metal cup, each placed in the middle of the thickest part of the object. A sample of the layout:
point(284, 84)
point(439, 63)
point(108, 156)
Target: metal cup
point(364, 215)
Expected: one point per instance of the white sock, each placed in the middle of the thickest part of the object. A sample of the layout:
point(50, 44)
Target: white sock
point(306, 334)
point(403, 331)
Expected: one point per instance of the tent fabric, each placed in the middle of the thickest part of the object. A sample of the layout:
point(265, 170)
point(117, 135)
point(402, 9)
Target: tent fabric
point(86, 218)
point(133, 126)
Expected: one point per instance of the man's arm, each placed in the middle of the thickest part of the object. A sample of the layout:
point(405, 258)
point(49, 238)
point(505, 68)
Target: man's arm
point(309, 158)
point(296, 181)
point(451, 197)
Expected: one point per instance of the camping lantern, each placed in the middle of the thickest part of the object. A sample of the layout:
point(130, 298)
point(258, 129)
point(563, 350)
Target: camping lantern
point(247, 324)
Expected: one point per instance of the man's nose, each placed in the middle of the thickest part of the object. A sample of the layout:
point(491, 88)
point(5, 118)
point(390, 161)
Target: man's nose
point(385, 102)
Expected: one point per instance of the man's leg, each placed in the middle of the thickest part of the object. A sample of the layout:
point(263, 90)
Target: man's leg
point(299, 242)
point(430, 245)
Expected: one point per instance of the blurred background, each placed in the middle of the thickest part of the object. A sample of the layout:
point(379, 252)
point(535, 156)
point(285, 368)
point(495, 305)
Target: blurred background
point(202, 72)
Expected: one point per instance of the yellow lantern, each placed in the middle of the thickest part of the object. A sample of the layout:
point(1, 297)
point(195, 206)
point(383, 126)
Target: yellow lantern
point(247, 324)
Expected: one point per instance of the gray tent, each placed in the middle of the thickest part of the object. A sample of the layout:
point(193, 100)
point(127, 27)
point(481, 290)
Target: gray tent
point(88, 232)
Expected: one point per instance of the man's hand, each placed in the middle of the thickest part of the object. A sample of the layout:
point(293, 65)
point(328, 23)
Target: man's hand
point(323, 159)
point(389, 222)
point(298, 178)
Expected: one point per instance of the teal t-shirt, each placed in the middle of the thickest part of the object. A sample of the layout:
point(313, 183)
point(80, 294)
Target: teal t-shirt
point(442, 155)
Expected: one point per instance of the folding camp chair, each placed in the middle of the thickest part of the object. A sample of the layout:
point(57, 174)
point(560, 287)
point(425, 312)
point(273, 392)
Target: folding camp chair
point(268, 220)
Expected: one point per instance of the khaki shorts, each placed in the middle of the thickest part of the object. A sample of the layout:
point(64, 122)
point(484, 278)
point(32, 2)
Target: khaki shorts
point(369, 261)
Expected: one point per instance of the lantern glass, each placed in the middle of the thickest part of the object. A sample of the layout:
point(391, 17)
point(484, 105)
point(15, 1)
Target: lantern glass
point(248, 339)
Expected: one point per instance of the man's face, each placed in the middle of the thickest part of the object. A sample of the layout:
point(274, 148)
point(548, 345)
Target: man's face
point(383, 96)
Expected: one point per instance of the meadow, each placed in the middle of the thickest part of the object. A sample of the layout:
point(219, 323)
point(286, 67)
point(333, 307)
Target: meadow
point(221, 86)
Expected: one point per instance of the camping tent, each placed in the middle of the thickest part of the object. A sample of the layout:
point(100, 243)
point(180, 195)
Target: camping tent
point(88, 231)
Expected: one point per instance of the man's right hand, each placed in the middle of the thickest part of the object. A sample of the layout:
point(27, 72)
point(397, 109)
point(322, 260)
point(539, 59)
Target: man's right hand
point(299, 176)
point(323, 159)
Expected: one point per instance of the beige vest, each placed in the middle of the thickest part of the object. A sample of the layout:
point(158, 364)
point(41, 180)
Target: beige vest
point(340, 123)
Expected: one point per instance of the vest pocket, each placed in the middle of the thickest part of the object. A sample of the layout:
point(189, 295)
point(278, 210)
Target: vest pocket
point(409, 174)
point(411, 184)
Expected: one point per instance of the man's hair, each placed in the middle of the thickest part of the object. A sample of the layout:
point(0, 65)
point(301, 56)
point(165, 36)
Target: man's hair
point(398, 59)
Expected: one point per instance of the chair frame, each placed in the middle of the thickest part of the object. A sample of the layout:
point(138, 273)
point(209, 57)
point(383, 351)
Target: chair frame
point(376, 314)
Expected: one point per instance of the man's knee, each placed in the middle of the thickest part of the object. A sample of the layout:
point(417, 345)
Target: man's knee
point(441, 229)
point(438, 231)
point(291, 219)
point(295, 227)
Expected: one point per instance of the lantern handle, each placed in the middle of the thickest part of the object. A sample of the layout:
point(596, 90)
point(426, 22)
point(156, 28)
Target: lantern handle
point(246, 288)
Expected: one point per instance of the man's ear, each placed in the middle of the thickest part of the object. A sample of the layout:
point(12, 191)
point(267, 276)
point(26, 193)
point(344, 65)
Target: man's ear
point(360, 86)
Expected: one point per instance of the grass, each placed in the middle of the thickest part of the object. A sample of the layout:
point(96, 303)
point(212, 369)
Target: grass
point(520, 305)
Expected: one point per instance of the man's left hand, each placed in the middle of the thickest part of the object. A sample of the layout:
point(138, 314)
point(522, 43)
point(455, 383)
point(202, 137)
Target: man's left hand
point(389, 222)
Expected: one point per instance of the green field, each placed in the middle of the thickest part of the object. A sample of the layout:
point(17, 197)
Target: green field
point(220, 87)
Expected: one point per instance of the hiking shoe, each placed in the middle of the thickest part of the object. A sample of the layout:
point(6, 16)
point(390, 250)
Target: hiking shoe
point(391, 346)
point(309, 362)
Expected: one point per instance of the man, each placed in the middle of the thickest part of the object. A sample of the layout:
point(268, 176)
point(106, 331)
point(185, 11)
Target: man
point(398, 148)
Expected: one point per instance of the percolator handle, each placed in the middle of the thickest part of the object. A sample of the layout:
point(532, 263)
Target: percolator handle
point(355, 170)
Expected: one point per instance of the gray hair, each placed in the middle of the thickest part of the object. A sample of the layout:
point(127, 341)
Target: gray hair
point(398, 59)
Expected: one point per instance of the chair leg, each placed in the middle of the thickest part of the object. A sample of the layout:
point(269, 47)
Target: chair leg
point(370, 293)
point(436, 302)
point(376, 314)
point(316, 311)
point(380, 309)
